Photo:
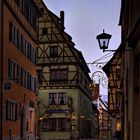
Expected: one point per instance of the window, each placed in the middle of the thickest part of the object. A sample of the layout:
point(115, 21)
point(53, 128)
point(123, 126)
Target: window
point(44, 124)
point(28, 13)
point(61, 98)
point(13, 71)
point(33, 55)
point(21, 43)
point(23, 6)
point(52, 124)
point(10, 31)
point(18, 39)
point(11, 110)
point(14, 35)
point(33, 84)
point(27, 53)
point(61, 124)
point(44, 31)
point(55, 124)
point(21, 76)
point(52, 98)
point(27, 80)
point(58, 74)
point(54, 51)
point(57, 98)
point(33, 21)
point(26, 48)
point(25, 9)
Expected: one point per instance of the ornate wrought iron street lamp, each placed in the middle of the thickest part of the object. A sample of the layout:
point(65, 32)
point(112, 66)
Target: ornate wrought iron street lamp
point(103, 40)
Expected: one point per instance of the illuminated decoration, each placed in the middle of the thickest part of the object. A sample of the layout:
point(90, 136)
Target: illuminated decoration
point(73, 117)
point(82, 117)
point(40, 118)
point(99, 77)
point(73, 127)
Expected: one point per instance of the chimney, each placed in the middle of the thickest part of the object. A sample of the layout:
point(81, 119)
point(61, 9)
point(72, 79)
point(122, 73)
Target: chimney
point(62, 17)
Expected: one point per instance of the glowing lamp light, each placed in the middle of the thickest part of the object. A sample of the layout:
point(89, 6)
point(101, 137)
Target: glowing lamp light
point(40, 118)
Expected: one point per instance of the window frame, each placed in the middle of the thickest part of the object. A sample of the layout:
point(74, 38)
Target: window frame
point(58, 74)
point(11, 110)
point(61, 95)
point(54, 124)
point(52, 96)
point(54, 51)
point(57, 98)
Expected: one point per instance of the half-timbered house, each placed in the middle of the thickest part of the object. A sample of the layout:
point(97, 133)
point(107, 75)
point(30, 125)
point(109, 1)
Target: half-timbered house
point(64, 100)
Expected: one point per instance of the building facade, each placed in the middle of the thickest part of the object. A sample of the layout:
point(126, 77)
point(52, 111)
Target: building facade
point(18, 69)
point(104, 120)
point(127, 97)
point(65, 108)
point(130, 25)
point(115, 96)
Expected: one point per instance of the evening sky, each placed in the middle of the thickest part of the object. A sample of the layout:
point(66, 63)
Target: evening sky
point(85, 19)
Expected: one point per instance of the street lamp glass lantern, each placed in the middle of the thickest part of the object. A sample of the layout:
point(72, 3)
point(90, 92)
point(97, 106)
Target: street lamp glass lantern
point(103, 40)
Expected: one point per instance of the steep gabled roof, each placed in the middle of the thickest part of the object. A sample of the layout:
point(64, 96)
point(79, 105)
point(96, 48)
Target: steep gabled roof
point(67, 38)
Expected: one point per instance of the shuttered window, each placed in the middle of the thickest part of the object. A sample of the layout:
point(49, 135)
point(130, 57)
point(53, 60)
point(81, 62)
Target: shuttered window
point(11, 110)
point(22, 43)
